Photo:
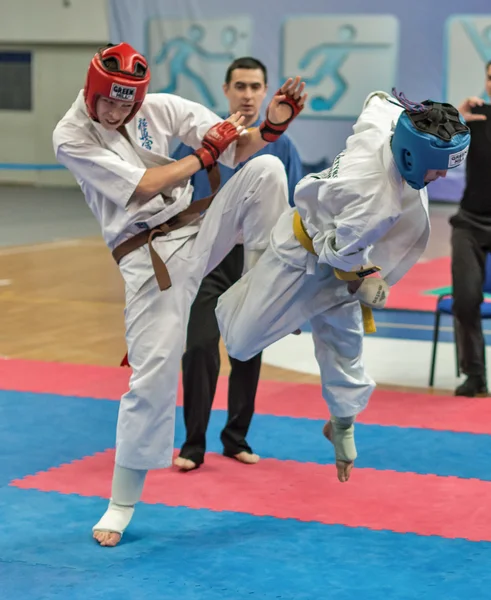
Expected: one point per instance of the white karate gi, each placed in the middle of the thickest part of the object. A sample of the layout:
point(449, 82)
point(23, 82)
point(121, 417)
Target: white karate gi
point(108, 169)
point(357, 212)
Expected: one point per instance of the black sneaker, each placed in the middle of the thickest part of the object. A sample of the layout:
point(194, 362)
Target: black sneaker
point(474, 386)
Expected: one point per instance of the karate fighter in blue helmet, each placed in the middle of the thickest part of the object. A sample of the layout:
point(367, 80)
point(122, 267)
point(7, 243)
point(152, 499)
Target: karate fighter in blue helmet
point(356, 229)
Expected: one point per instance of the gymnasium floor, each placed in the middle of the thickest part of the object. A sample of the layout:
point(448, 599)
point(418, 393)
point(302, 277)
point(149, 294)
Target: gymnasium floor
point(411, 523)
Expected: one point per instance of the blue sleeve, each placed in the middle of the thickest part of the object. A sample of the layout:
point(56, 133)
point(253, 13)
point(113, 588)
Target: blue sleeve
point(199, 181)
point(294, 170)
point(182, 151)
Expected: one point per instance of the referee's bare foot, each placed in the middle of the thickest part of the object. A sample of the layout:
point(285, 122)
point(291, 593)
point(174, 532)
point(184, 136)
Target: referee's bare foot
point(185, 464)
point(248, 458)
point(107, 538)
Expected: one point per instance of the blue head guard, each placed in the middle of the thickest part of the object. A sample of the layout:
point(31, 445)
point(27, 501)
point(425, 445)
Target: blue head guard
point(430, 135)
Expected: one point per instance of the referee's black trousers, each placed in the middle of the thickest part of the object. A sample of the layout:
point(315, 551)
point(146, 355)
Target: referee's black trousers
point(201, 367)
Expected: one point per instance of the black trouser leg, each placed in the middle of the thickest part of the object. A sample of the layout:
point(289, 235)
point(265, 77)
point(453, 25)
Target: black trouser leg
point(201, 360)
point(200, 369)
point(468, 265)
point(242, 388)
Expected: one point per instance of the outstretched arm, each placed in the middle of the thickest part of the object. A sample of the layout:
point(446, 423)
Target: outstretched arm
point(216, 140)
point(155, 179)
point(218, 55)
point(309, 56)
point(285, 105)
point(465, 109)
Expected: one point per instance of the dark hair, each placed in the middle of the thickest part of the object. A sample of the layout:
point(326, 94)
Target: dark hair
point(246, 62)
point(488, 64)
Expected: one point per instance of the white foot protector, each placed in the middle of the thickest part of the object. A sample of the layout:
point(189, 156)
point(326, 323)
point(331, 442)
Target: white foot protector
point(343, 439)
point(116, 518)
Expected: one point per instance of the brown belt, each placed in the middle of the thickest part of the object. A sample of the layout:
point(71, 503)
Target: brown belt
point(191, 213)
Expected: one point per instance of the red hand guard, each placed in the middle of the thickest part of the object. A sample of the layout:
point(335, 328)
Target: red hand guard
point(270, 132)
point(216, 140)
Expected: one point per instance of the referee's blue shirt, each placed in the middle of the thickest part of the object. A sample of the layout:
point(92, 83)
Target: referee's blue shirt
point(283, 148)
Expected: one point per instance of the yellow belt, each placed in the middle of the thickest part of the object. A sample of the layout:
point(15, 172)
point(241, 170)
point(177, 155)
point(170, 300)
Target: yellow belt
point(306, 241)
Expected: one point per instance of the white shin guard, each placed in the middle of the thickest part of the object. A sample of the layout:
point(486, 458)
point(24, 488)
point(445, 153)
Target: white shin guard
point(343, 438)
point(127, 488)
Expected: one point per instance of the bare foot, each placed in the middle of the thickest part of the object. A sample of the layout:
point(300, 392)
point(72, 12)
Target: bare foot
point(185, 464)
point(344, 468)
point(247, 458)
point(114, 521)
point(107, 538)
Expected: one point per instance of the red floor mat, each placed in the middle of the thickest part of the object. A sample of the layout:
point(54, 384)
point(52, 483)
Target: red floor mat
point(409, 293)
point(403, 409)
point(449, 507)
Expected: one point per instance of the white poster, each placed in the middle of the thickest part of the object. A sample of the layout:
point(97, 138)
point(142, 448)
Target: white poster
point(190, 57)
point(467, 50)
point(342, 58)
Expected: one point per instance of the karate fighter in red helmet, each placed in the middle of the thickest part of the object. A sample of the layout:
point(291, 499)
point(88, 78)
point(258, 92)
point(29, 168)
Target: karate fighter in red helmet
point(115, 140)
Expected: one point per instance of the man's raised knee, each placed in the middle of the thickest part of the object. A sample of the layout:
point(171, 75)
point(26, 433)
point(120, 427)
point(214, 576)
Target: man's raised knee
point(235, 344)
point(238, 351)
point(268, 164)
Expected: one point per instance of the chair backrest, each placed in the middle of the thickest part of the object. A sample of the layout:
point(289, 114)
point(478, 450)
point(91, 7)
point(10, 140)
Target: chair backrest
point(487, 276)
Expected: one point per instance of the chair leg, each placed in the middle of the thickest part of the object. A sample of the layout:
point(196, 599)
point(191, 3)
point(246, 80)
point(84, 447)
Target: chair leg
point(484, 359)
point(436, 331)
point(456, 343)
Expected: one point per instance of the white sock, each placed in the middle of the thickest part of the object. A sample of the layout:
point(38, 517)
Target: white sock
point(343, 438)
point(345, 421)
point(116, 518)
point(127, 488)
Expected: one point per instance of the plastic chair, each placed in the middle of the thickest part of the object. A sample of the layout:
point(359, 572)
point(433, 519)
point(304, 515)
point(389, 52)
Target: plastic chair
point(444, 306)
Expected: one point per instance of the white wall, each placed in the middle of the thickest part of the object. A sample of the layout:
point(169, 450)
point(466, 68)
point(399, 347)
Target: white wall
point(59, 21)
point(62, 35)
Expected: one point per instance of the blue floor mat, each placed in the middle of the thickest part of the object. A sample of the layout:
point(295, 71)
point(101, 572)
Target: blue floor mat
point(39, 431)
point(178, 553)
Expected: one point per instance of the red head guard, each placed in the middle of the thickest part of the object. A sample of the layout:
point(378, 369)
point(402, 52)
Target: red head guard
point(117, 72)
